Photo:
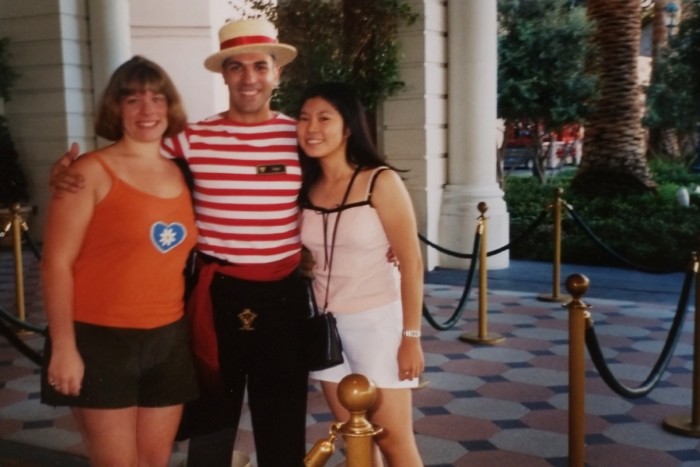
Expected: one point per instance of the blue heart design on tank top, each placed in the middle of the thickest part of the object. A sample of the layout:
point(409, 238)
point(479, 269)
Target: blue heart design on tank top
point(165, 237)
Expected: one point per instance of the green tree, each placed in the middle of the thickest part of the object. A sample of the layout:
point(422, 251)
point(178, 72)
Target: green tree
point(671, 103)
point(542, 50)
point(673, 97)
point(354, 41)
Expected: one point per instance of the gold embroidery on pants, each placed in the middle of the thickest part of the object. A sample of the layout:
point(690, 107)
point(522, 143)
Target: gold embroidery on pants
point(247, 317)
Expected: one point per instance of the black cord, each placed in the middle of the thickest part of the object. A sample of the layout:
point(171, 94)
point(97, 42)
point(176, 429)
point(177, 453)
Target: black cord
point(459, 310)
point(661, 364)
point(607, 249)
point(18, 343)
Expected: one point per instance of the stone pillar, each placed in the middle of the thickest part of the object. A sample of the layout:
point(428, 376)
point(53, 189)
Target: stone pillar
point(472, 100)
point(110, 40)
point(413, 123)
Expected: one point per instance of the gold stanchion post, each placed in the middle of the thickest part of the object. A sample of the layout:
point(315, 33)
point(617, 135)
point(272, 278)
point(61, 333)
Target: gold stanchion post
point(483, 337)
point(357, 394)
point(556, 262)
point(689, 424)
point(16, 224)
point(577, 285)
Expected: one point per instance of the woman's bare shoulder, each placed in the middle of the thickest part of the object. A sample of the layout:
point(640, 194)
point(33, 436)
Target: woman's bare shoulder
point(386, 180)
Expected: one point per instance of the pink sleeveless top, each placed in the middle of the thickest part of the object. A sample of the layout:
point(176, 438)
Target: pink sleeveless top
point(361, 276)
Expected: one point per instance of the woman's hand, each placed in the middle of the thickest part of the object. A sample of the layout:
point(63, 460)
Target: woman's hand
point(61, 178)
point(411, 360)
point(307, 263)
point(66, 371)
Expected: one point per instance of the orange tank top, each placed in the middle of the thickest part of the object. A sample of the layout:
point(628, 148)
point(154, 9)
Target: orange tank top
point(129, 272)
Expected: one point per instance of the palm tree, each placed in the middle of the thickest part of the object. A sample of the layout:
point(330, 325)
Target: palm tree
point(614, 142)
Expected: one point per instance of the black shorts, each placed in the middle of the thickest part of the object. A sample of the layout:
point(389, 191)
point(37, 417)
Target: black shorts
point(129, 367)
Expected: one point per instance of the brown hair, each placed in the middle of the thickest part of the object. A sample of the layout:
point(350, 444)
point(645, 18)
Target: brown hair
point(133, 76)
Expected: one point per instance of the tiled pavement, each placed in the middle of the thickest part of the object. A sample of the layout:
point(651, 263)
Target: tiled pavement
point(485, 405)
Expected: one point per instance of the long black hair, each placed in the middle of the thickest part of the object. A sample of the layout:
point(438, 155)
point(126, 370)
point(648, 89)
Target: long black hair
point(361, 150)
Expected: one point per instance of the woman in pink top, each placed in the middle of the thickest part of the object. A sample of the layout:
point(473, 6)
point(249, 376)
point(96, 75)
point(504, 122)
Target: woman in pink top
point(114, 253)
point(355, 207)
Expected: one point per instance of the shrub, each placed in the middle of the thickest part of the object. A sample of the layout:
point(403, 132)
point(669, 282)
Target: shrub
point(650, 229)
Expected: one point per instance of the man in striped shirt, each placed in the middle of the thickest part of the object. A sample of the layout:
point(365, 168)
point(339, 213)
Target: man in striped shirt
point(247, 177)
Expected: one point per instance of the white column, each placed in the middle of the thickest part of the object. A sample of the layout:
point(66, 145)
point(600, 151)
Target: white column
point(472, 96)
point(110, 39)
point(413, 123)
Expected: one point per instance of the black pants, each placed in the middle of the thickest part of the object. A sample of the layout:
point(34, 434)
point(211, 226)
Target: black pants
point(259, 327)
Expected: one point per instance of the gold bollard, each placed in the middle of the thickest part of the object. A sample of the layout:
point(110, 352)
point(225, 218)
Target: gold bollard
point(577, 285)
point(689, 424)
point(358, 394)
point(556, 262)
point(16, 225)
point(483, 337)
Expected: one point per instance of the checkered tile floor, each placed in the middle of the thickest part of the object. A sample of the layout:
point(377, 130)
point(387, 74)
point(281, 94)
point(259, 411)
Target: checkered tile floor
point(484, 405)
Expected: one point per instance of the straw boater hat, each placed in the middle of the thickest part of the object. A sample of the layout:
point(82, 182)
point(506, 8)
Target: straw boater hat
point(249, 35)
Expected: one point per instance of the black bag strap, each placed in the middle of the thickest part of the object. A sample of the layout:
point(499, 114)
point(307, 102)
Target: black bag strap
point(312, 297)
point(191, 263)
point(186, 172)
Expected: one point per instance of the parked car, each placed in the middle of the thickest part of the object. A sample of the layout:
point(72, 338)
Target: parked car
point(515, 157)
point(519, 152)
point(520, 149)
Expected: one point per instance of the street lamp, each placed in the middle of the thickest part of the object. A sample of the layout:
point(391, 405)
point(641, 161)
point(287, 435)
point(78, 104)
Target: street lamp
point(671, 13)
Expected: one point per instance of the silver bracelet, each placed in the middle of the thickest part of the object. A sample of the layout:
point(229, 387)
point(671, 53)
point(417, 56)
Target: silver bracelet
point(410, 333)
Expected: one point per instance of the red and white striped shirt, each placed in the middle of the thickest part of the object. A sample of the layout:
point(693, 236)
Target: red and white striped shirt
point(246, 183)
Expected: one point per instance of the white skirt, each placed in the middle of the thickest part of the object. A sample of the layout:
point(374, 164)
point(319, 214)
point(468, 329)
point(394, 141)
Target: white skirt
point(371, 342)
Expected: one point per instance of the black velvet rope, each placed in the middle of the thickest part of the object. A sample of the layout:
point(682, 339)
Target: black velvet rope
point(32, 244)
point(8, 322)
point(533, 225)
point(18, 323)
point(570, 210)
point(441, 249)
point(14, 339)
point(459, 310)
point(591, 338)
point(505, 247)
point(664, 358)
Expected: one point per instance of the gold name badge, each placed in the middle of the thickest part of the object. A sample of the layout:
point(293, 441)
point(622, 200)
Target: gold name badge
point(271, 169)
point(247, 317)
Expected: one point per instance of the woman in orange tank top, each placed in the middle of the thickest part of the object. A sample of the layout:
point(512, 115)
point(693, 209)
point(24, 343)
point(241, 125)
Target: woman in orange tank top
point(113, 282)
